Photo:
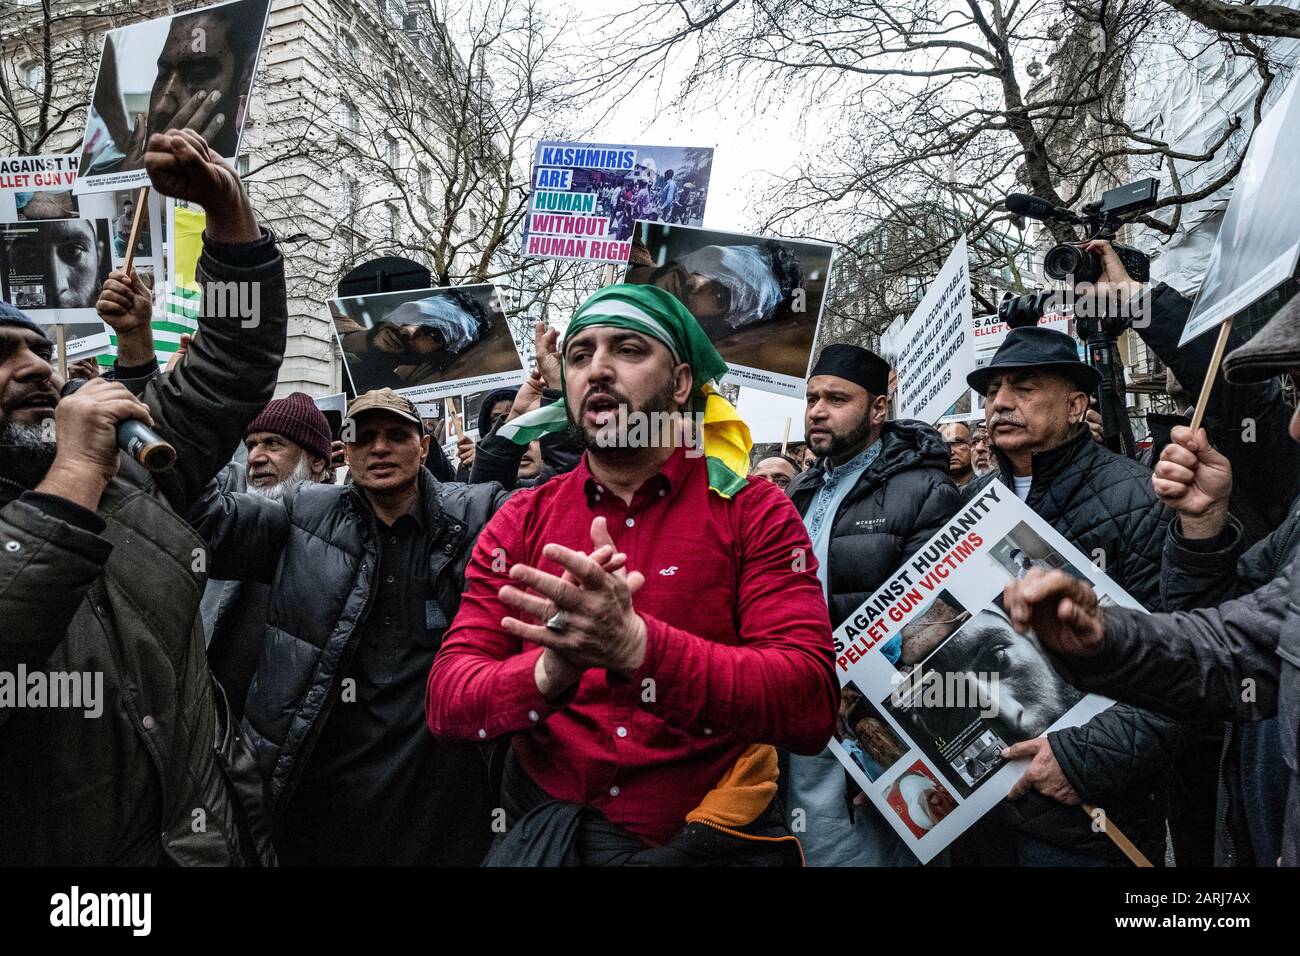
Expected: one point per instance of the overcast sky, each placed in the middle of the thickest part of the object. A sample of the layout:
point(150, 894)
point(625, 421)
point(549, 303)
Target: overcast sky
point(746, 146)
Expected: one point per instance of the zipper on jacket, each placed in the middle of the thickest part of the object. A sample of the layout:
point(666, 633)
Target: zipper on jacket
point(336, 682)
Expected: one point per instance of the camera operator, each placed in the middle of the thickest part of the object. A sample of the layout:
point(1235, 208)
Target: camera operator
point(1247, 423)
point(100, 578)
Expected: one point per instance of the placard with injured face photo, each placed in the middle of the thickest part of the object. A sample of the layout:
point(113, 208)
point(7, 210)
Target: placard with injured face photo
point(758, 298)
point(428, 343)
point(919, 799)
point(982, 689)
point(866, 735)
point(53, 270)
point(192, 71)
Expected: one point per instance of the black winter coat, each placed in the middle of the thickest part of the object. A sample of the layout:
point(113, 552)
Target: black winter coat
point(1199, 664)
point(1104, 505)
point(899, 502)
point(160, 777)
point(1247, 423)
point(1251, 806)
point(319, 550)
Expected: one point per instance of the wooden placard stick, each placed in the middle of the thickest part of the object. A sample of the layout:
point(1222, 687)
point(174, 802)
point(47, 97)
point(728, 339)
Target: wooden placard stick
point(785, 436)
point(141, 201)
point(61, 343)
point(1210, 373)
point(1117, 836)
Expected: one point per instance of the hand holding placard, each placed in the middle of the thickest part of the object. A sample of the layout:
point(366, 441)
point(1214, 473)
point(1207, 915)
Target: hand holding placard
point(181, 165)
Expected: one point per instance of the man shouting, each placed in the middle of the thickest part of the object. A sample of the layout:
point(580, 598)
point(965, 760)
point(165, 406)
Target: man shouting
point(636, 700)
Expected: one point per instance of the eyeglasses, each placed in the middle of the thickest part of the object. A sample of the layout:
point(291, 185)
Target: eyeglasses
point(960, 441)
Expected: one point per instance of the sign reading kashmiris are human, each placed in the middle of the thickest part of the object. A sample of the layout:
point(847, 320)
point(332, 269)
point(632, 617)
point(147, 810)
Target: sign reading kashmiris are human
point(936, 350)
point(936, 683)
point(587, 197)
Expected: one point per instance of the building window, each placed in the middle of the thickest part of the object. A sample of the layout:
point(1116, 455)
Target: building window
point(347, 47)
point(394, 217)
point(242, 165)
point(426, 180)
point(347, 116)
point(346, 198)
point(33, 76)
point(392, 151)
point(394, 10)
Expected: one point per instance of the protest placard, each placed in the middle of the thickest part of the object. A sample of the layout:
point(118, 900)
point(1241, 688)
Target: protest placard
point(758, 298)
point(936, 348)
point(587, 197)
point(191, 70)
point(768, 416)
point(427, 343)
point(1257, 247)
point(989, 331)
point(85, 339)
point(936, 683)
point(333, 407)
point(57, 248)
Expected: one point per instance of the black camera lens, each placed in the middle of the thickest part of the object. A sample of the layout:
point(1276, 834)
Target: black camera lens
point(1072, 263)
point(1019, 311)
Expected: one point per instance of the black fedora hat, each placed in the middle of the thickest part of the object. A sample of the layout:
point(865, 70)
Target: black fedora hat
point(1039, 348)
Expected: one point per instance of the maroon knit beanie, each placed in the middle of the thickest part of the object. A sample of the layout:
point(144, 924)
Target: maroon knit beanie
point(297, 418)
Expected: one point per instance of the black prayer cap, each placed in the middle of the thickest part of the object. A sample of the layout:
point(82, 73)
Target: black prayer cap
point(858, 365)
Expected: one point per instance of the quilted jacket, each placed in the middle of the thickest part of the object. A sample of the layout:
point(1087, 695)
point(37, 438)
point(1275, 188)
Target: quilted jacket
point(161, 776)
point(1104, 505)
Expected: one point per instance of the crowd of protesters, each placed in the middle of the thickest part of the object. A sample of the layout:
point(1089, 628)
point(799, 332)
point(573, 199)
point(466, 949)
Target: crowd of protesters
point(571, 648)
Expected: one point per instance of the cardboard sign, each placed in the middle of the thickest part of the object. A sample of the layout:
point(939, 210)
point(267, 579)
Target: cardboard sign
point(192, 70)
point(936, 348)
point(758, 298)
point(427, 343)
point(935, 681)
point(1257, 246)
point(57, 248)
point(587, 197)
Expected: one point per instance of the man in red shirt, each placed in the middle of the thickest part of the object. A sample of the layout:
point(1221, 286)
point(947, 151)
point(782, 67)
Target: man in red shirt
point(642, 623)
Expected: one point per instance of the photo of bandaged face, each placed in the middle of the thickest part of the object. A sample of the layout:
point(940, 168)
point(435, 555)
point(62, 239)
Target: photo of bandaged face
point(920, 801)
point(757, 298)
point(423, 339)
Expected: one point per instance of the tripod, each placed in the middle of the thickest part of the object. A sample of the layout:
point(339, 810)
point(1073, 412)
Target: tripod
point(1100, 336)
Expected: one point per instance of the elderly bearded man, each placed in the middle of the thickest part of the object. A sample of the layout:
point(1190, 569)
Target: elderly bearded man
point(640, 700)
point(287, 445)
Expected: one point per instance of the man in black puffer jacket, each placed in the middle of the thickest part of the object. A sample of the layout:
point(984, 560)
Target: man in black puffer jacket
point(1103, 504)
point(878, 492)
point(364, 580)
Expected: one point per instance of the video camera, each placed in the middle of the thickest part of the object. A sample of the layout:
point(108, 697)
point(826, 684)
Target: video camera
point(1070, 261)
point(1094, 322)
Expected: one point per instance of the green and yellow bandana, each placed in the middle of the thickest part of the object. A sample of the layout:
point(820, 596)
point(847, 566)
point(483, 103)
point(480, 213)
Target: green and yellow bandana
point(658, 314)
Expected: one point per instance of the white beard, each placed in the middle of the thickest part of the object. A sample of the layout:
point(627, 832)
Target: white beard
point(278, 492)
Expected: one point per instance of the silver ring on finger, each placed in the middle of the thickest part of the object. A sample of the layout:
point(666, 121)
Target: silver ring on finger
point(556, 622)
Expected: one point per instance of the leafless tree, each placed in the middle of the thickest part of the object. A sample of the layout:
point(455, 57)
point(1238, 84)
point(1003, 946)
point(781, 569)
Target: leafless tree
point(940, 107)
point(48, 58)
point(429, 126)
point(1258, 19)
